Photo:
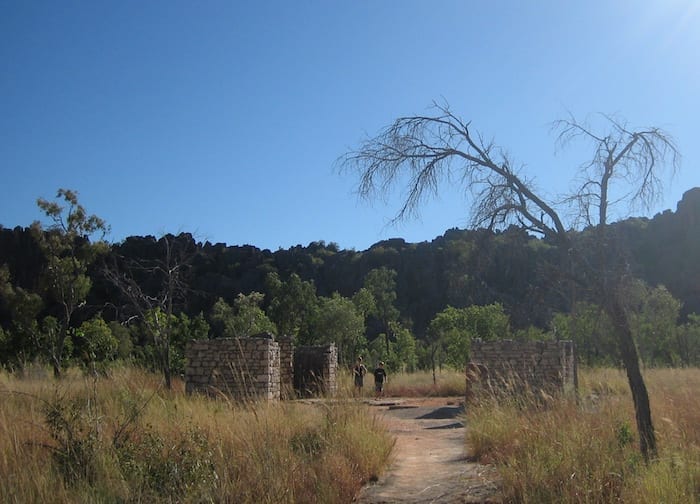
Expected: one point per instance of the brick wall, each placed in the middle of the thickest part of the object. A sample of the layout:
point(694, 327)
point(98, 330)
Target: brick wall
point(260, 368)
point(507, 366)
point(286, 366)
point(242, 368)
point(316, 370)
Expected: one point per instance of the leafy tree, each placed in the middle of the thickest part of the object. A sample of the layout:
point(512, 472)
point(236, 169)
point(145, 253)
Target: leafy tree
point(404, 356)
point(530, 333)
point(221, 319)
point(250, 318)
point(68, 252)
point(24, 337)
point(591, 331)
point(292, 305)
point(364, 302)
point(244, 319)
point(100, 344)
point(377, 352)
point(689, 341)
point(447, 326)
point(654, 314)
point(125, 345)
point(381, 283)
point(337, 320)
point(455, 328)
point(181, 329)
point(184, 329)
point(426, 150)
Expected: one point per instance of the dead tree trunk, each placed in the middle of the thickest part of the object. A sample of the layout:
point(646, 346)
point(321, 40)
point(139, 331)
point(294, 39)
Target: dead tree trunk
point(630, 359)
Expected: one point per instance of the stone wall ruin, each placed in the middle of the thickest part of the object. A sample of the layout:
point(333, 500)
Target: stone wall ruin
point(316, 370)
point(508, 367)
point(259, 367)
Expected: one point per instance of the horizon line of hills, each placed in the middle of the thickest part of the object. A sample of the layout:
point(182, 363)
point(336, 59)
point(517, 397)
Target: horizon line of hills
point(460, 268)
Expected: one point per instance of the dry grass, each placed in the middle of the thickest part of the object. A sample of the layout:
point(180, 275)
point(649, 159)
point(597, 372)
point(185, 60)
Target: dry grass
point(448, 383)
point(562, 451)
point(145, 444)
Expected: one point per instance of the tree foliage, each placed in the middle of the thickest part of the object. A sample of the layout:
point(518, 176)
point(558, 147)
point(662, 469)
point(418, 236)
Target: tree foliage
point(44, 316)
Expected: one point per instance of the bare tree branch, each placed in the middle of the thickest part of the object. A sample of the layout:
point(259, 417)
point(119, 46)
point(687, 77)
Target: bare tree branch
point(424, 151)
point(634, 159)
point(429, 150)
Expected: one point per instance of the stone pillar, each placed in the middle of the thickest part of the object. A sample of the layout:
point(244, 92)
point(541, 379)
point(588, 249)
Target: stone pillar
point(286, 366)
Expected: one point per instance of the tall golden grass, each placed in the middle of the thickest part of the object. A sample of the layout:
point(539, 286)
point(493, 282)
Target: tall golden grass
point(125, 439)
point(565, 450)
point(447, 383)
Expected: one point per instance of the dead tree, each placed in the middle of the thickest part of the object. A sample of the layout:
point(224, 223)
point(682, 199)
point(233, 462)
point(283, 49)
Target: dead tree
point(155, 306)
point(422, 152)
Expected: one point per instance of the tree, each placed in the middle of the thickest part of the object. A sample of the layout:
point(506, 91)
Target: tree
point(590, 330)
point(292, 305)
point(250, 318)
point(654, 314)
point(689, 340)
point(428, 150)
point(337, 320)
point(68, 253)
point(381, 283)
point(454, 328)
point(404, 351)
point(244, 319)
point(100, 344)
point(152, 287)
point(221, 319)
point(24, 338)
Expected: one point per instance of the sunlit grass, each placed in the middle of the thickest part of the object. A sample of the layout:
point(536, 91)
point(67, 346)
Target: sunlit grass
point(447, 383)
point(146, 444)
point(586, 451)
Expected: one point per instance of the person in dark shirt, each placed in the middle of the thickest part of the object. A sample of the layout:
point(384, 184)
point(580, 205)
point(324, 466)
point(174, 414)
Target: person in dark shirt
point(379, 380)
point(359, 371)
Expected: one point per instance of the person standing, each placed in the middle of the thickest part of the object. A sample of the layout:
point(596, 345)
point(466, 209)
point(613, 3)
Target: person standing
point(379, 380)
point(359, 371)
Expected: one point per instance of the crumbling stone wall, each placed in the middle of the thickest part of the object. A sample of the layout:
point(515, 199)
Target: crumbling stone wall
point(260, 367)
point(243, 368)
point(315, 370)
point(512, 367)
point(286, 366)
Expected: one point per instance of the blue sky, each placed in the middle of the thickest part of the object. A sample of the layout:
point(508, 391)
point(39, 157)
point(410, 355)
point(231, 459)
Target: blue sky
point(224, 119)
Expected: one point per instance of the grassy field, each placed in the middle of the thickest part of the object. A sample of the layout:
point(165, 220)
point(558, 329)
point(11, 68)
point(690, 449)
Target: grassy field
point(448, 383)
point(560, 451)
point(125, 439)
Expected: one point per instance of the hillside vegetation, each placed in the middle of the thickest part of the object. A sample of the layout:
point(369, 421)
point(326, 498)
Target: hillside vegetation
point(414, 305)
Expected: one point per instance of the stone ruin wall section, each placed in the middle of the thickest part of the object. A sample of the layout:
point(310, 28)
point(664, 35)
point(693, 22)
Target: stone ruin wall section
point(260, 368)
point(242, 368)
point(507, 366)
point(316, 370)
point(286, 366)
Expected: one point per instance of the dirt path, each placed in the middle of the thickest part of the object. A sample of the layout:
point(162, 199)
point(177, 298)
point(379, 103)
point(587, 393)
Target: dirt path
point(429, 463)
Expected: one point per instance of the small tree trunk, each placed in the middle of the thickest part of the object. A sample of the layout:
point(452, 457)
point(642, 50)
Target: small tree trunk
point(56, 365)
point(56, 354)
point(166, 364)
point(640, 396)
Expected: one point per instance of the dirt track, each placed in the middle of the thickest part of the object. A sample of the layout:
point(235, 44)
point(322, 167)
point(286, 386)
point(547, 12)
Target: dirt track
point(429, 463)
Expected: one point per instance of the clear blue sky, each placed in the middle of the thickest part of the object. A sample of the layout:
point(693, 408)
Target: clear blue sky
point(224, 118)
